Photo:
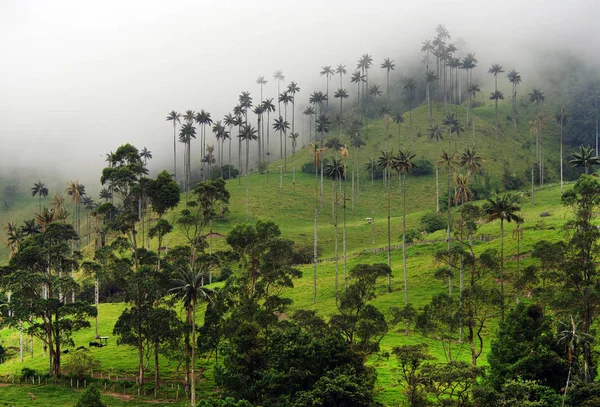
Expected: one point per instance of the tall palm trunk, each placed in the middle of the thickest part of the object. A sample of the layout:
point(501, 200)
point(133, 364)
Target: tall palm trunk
point(247, 159)
point(193, 374)
point(174, 151)
point(496, 122)
point(561, 156)
point(448, 238)
point(437, 178)
point(502, 269)
point(389, 232)
point(344, 229)
point(315, 235)
point(335, 226)
point(404, 252)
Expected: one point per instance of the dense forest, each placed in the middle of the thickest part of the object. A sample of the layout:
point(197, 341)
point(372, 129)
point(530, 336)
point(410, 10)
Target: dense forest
point(423, 240)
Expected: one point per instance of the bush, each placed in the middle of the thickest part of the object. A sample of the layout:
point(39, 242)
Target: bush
point(309, 168)
point(422, 167)
point(80, 363)
point(304, 254)
point(510, 182)
point(228, 402)
point(90, 398)
point(216, 172)
point(27, 373)
point(412, 236)
point(430, 222)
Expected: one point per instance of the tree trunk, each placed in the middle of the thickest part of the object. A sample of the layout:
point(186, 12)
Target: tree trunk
point(404, 252)
point(247, 159)
point(449, 239)
point(174, 151)
point(502, 269)
point(315, 236)
point(389, 235)
point(335, 226)
point(344, 230)
point(97, 301)
point(193, 375)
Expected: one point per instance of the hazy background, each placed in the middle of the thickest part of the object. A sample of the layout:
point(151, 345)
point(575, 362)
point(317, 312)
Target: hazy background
point(79, 78)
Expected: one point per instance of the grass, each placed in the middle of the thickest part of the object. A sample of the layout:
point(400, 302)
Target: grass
point(292, 209)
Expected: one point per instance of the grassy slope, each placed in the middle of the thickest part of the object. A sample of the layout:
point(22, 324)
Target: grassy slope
point(294, 212)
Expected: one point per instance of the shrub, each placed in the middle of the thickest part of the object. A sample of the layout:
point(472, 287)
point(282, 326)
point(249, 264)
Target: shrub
point(27, 373)
point(80, 363)
point(412, 236)
point(430, 222)
point(422, 167)
point(510, 182)
point(90, 398)
point(216, 172)
point(228, 402)
point(304, 254)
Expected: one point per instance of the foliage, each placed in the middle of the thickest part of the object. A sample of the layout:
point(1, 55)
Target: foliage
point(525, 347)
point(90, 398)
point(431, 222)
point(422, 167)
point(226, 402)
point(81, 363)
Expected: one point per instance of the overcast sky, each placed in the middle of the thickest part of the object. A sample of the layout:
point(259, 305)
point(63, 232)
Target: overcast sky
point(78, 78)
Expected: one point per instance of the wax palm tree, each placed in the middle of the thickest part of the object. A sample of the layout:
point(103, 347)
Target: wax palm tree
point(40, 190)
point(89, 204)
point(14, 238)
point(203, 119)
point(334, 170)
point(31, 228)
point(245, 101)
point(365, 63)
point(258, 111)
point(310, 112)
point(248, 134)
point(496, 96)
point(186, 134)
point(584, 158)
point(436, 134)
point(281, 125)
point(261, 81)
point(410, 85)
point(238, 121)
point(515, 79)
point(496, 69)
point(427, 47)
point(358, 78)
point(388, 65)
point(47, 216)
point(341, 94)
point(462, 192)
point(374, 92)
point(317, 99)
point(471, 161)
point(105, 194)
point(561, 118)
point(327, 72)
point(341, 70)
point(398, 118)
point(403, 163)
point(175, 118)
point(430, 77)
point(189, 289)
point(278, 76)
point(145, 155)
point(448, 161)
point(268, 107)
point(536, 96)
point(572, 336)
point(386, 161)
point(454, 126)
point(504, 208)
point(292, 89)
point(322, 124)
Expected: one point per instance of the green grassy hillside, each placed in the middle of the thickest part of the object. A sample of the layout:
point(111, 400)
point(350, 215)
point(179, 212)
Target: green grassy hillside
point(292, 209)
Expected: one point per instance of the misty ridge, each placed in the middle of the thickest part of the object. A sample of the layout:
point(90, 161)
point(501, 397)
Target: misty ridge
point(76, 97)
